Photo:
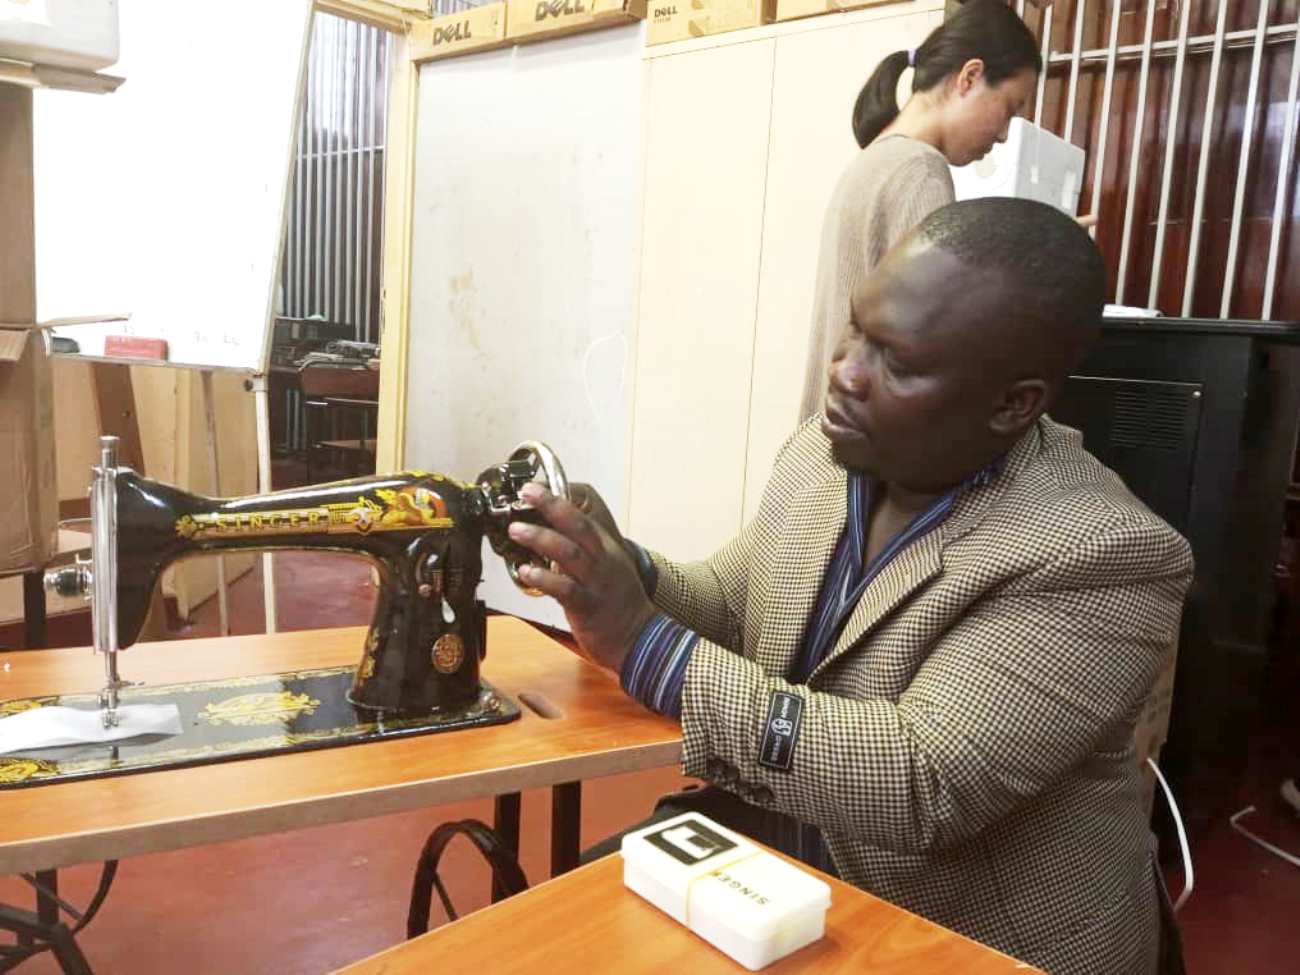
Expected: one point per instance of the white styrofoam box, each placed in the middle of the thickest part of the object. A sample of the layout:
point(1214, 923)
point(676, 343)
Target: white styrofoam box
point(741, 899)
point(63, 33)
point(1032, 164)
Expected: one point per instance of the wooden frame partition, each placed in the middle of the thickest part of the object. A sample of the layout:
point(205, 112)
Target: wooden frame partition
point(399, 192)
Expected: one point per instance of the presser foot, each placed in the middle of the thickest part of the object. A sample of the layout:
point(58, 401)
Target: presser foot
point(109, 701)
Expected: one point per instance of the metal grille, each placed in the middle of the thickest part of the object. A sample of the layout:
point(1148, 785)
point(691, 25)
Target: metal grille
point(1188, 112)
point(440, 7)
point(1153, 415)
point(333, 253)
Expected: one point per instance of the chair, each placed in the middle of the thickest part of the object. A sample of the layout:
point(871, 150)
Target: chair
point(331, 396)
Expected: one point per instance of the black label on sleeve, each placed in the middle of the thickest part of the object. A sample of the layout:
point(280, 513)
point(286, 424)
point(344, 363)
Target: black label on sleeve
point(781, 731)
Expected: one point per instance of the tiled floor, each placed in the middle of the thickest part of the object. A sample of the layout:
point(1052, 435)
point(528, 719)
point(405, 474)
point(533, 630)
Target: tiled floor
point(314, 899)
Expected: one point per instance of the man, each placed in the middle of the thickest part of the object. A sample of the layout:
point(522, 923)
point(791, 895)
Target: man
point(929, 647)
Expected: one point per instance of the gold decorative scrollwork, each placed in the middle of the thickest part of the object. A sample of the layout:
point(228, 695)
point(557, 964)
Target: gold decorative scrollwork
point(23, 704)
point(247, 710)
point(15, 770)
point(398, 509)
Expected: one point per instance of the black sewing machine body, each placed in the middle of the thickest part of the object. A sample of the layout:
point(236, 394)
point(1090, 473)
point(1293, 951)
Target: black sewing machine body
point(422, 531)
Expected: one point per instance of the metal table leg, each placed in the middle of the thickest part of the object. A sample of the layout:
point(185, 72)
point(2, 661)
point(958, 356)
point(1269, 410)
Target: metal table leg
point(47, 904)
point(35, 636)
point(566, 824)
point(29, 927)
point(505, 820)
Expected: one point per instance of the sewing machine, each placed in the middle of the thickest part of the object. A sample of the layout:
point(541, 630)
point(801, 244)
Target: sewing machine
point(422, 531)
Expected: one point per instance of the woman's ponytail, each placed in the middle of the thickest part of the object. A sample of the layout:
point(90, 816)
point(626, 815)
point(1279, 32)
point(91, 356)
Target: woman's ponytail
point(877, 103)
point(987, 30)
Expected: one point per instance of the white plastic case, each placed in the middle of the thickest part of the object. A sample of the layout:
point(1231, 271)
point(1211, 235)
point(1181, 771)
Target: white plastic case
point(748, 903)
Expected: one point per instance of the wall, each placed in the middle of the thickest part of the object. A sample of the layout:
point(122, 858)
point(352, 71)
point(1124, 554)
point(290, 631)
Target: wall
point(524, 265)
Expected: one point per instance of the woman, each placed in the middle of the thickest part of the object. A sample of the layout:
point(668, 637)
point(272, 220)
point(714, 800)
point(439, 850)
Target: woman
point(972, 75)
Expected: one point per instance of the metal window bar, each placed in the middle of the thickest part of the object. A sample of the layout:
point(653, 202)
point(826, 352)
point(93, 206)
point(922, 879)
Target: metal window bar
point(346, 155)
point(1203, 166)
point(374, 179)
point(1108, 91)
point(354, 184)
point(1171, 142)
point(293, 298)
point(318, 165)
point(336, 201)
point(1262, 34)
point(1243, 164)
point(1276, 34)
point(345, 171)
point(363, 51)
point(338, 178)
point(1079, 7)
point(1284, 185)
point(371, 47)
point(332, 242)
point(439, 7)
point(1135, 152)
point(1042, 75)
point(333, 273)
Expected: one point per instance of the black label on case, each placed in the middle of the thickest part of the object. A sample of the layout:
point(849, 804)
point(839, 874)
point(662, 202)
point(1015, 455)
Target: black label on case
point(689, 841)
point(781, 731)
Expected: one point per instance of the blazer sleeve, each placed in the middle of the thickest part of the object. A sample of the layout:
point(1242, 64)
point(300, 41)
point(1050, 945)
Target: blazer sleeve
point(1017, 692)
point(709, 596)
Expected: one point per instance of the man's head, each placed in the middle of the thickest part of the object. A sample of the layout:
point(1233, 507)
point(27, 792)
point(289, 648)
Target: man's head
point(960, 339)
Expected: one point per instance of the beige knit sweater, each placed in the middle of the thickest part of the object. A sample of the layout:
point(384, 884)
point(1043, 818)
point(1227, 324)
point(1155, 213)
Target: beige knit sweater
point(890, 187)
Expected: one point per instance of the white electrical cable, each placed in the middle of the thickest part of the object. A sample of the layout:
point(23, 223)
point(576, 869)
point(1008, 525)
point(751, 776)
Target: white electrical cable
point(1189, 876)
point(1290, 858)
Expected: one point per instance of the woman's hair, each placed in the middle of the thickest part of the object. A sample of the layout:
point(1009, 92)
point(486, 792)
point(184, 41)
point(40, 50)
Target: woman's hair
point(985, 29)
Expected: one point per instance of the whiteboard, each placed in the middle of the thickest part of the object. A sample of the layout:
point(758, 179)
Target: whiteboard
point(525, 249)
point(166, 199)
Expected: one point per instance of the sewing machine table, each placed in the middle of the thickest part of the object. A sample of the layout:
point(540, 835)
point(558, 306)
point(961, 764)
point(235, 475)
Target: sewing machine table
point(596, 731)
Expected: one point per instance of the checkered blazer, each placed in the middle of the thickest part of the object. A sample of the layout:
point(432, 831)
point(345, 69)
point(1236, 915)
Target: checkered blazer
point(966, 746)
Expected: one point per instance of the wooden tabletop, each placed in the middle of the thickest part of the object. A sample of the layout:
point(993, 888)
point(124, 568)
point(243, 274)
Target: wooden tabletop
point(597, 730)
point(588, 920)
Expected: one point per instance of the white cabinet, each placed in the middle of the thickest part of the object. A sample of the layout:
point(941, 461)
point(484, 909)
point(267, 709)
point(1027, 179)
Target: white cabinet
point(818, 74)
point(707, 122)
point(746, 135)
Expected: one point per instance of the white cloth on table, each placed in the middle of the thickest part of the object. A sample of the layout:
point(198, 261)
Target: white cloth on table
point(50, 727)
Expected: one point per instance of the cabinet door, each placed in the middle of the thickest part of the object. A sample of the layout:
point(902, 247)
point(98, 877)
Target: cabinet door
point(818, 74)
point(707, 118)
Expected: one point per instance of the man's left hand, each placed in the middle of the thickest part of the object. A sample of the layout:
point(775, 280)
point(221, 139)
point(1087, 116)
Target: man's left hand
point(591, 576)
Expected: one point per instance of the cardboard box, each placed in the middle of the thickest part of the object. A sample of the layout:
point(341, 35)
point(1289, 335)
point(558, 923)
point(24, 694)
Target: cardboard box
point(476, 29)
point(533, 20)
point(679, 20)
point(794, 9)
point(29, 502)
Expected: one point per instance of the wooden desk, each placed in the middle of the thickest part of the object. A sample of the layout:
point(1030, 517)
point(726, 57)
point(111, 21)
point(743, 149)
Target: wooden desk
point(588, 919)
point(600, 731)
